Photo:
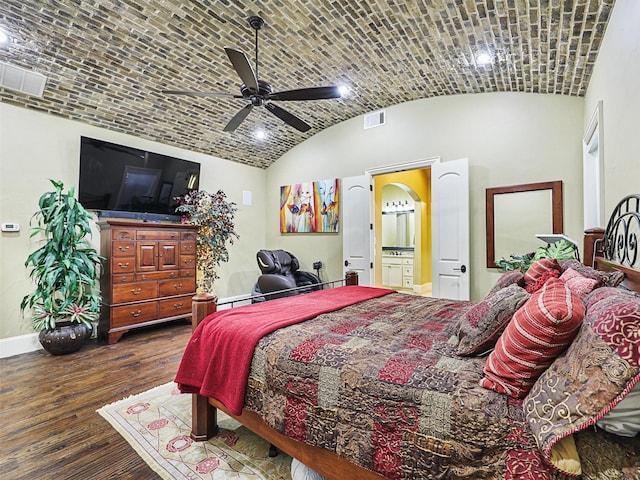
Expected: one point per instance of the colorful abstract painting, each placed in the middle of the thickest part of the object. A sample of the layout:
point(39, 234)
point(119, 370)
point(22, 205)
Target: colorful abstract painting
point(310, 207)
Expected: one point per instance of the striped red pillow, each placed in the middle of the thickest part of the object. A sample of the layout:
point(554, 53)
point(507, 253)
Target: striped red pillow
point(538, 332)
point(540, 268)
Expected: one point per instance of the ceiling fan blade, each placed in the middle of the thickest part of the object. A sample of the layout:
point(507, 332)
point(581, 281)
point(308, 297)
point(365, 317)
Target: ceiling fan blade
point(238, 118)
point(288, 117)
point(201, 94)
point(242, 66)
point(312, 93)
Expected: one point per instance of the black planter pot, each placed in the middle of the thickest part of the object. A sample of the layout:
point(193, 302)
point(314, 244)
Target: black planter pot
point(67, 337)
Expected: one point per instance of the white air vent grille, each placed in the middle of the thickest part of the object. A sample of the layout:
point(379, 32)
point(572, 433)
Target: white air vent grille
point(22, 80)
point(374, 119)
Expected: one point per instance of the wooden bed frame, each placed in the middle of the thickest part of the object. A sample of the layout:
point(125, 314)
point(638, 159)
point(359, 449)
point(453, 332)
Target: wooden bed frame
point(610, 242)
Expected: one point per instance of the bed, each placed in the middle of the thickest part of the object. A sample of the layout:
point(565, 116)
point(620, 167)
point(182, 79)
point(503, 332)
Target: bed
point(532, 382)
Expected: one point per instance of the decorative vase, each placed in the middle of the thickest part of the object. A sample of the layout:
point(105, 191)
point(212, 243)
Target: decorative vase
point(67, 337)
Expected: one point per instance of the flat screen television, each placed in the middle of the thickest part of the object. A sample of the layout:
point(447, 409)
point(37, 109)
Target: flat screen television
point(126, 182)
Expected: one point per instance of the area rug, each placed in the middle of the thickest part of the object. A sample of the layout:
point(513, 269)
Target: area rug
point(156, 423)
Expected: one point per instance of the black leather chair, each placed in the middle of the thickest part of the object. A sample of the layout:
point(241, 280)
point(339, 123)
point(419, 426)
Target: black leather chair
point(280, 271)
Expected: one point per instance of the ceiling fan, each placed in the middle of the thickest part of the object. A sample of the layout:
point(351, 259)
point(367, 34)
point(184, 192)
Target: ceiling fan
point(259, 93)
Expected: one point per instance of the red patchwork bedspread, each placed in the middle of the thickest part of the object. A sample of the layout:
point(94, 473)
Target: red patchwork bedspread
point(379, 382)
point(218, 356)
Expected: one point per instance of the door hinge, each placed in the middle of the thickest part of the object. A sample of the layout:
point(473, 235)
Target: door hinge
point(371, 226)
point(371, 265)
point(370, 188)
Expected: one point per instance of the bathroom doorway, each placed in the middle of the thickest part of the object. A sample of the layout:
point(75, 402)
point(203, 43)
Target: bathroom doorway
point(402, 228)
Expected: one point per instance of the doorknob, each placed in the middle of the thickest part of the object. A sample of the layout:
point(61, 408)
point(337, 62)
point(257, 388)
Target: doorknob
point(346, 263)
point(462, 269)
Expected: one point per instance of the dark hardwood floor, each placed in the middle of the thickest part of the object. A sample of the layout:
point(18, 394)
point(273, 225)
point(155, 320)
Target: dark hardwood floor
point(49, 428)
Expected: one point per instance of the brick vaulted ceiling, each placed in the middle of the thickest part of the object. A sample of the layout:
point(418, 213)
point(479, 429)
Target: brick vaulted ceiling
point(107, 60)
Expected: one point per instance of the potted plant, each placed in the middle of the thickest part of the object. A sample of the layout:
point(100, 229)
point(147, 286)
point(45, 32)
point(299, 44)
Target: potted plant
point(213, 215)
point(559, 250)
point(65, 300)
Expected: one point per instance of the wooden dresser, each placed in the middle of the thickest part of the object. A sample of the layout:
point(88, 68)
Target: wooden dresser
point(149, 275)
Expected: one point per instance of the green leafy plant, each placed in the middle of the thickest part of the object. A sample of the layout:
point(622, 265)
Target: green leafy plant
point(559, 250)
point(65, 267)
point(213, 216)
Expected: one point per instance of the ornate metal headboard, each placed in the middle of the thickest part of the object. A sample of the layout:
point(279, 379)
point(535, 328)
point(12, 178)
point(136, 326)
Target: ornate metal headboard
point(620, 242)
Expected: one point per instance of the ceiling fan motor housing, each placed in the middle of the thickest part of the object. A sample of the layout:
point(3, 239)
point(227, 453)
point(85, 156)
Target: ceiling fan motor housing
point(257, 98)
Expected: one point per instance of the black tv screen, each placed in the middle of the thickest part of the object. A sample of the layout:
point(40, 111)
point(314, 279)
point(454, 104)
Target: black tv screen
point(126, 182)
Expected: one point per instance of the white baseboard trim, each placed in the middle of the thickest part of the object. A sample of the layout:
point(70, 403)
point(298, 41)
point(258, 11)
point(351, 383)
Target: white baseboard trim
point(20, 344)
point(425, 287)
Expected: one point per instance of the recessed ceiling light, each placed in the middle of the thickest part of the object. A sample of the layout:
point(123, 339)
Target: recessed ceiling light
point(4, 38)
point(344, 90)
point(260, 134)
point(483, 58)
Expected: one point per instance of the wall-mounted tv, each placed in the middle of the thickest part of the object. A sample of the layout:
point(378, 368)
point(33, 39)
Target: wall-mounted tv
point(125, 182)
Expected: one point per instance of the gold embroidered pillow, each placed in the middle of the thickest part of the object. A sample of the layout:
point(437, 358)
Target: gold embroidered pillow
point(483, 324)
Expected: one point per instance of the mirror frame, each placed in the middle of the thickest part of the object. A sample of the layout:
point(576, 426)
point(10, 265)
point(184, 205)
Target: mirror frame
point(556, 210)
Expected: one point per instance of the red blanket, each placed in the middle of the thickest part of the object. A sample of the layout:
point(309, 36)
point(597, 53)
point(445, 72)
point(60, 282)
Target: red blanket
point(218, 356)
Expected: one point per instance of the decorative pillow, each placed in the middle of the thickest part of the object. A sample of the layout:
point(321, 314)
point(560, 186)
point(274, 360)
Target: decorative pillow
point(508, 278)
point(485, 321)
point(536, 335)
point(603, 296)
point(597, 371)
point(607, 279)
point(542, 279)
point(538, 269)
point(578, 284)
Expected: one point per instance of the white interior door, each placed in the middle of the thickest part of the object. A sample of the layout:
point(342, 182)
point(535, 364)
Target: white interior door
point(450, 229)
point(357, 231)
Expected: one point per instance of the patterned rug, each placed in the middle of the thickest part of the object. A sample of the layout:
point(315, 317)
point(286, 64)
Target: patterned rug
point(156, 423)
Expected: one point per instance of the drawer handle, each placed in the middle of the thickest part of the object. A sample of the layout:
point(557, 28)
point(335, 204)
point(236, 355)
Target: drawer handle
point(172, 274)
point(123, 265)
point(123, 249)
point(177, 286)
point(137, 291)
point(136, 314)
point(144, 277)
point(188, 247)
point(177, 305)
point(188, 262)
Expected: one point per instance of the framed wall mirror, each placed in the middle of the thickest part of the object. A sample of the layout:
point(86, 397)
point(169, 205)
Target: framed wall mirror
point(516, 213)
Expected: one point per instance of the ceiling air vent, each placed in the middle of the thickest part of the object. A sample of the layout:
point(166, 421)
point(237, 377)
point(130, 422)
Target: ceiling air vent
point(21, 80)
point(374, 119)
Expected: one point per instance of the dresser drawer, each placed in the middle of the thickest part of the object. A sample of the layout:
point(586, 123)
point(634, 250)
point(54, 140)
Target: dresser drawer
point(158, 235)
point(136, 313)
point(187, 261)
point(123, 234)
point(175, 306)
point(188, 236)
point(407, 261)
point(187, 248)
point(120, 265)
point(407, 271)
point(407, 282)
point(165, 274)
point(187, 273)
point(127, 278)
point(134, 292)
point(176, 287)
point(122, 248)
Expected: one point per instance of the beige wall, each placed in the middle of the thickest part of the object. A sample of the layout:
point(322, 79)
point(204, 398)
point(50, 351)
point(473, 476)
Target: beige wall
point(509, 138)
point(35, 146)
point(615, 81)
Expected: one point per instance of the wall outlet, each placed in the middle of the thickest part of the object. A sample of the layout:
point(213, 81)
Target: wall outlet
point(10, 227)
